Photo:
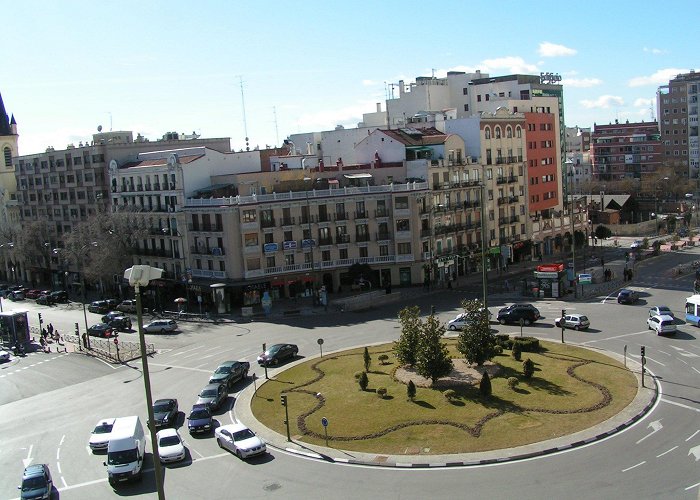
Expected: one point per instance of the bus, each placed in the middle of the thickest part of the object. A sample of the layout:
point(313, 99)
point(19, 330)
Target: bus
point(14, 328)
point(692, 310)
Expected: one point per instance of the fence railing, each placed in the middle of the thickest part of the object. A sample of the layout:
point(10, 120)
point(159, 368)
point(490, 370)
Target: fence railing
point(108, 349)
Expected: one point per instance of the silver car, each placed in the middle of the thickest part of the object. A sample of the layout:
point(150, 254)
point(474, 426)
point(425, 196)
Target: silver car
point(662, 324)
point(575, 321)
point(213, 395)
point(160, 326)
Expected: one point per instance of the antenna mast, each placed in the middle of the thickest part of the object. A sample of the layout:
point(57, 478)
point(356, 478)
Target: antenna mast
point(245, 121)
point(277, 132)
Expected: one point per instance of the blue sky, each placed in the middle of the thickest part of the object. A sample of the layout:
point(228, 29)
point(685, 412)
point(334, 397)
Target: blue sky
point(154, 67)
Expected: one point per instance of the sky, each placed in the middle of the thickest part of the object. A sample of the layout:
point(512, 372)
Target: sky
point(268, 69)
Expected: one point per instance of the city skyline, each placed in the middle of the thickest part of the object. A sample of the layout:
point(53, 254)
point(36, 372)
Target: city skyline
point(160, 67)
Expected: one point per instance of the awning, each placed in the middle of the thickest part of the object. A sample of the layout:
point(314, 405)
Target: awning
point(358, 176)
point(333, 181)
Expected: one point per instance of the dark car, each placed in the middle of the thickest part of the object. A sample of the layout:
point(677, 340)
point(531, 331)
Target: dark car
point(213, 395)
point(230, 372)
point(120, 323)
point(59, 296)
point(627, 296)
point(276, 353)
point(32, 294)
point(165, 412)
point(102, 330)
point(514, 313)
point(16, 295)
point(99, 306)
point(199, 419)
point(45, 300)
point(36, 482)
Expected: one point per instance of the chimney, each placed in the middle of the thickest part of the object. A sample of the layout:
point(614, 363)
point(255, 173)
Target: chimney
point(379, 107)
point(401, 88)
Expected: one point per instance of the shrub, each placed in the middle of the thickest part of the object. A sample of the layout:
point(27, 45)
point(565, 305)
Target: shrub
point(498, 350)
point(381, 392)
point(485, 384)
point(363, 381)
point(366, 359)
point(528, 368)
point(517, 350)
point(513, 382)
point(503, 339)
point(449, 394)
point(528, 344)
point(411, 390)
point(358, 375)
point(383, 358)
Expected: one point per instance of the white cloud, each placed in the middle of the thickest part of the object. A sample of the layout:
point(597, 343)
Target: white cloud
point(548, 49)
point(328, 118)
point(511, 64)
point(642, 102)
point(661, 77)
point(369, 83)
point(654, 50)
point(581, 82)
point(603, 102)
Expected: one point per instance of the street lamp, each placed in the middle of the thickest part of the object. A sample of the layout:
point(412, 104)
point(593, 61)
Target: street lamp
point(484, 275)
point(311, 239)
point(570, 173)
point(139, 276)
point(656, 202)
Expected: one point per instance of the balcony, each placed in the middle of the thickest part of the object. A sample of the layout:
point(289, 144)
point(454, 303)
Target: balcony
point(342, 238)
point(267, 223)
point(340, 216)
point(512, 178)
point(362, 215)
point(513, 199)
point(361, 238)
point(514, 218)
point(287, 221)
point(426, 233)
point(216, 251)
point(325, 241)
point(383, 235)
point(381, 213)
point(501, 180)
point(503, 220)
point(502, 200)
point(205, 228)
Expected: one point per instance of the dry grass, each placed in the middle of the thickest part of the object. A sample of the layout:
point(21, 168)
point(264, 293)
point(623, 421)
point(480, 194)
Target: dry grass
point(510, 418)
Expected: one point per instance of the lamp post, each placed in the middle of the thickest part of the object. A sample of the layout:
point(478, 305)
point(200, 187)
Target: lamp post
point(570, 173)
point(139, 276)
point(656, 203)
point(484, 275)
point(312, 243)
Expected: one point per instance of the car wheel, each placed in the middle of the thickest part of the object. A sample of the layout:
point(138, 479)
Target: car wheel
point(527, 322)
point(577, 328)
point(557, 324)
point(276, 361)
point(502, 321)
point(239, 455)
point(162, 330)
point(218, 441)
point(451, 328)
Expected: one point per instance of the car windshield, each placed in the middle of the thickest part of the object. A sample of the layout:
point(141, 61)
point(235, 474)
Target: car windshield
point(169, 441)
point(244, 434)
point(208, 393)
point(223, 370)
point(664, 310)
point(103, 429)
point(33, 483)
point(199, 414)
point(273, 350)
point(583, 318)
point(121, 457)
point(161, 407)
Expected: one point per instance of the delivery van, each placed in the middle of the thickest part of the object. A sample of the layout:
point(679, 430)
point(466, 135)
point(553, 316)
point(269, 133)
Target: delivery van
point(125, 450)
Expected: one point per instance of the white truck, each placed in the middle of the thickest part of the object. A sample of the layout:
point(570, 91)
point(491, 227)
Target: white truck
point(125, 450)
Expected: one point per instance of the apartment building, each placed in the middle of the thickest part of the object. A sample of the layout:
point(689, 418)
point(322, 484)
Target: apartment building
point(677, 104)
point(626, 151)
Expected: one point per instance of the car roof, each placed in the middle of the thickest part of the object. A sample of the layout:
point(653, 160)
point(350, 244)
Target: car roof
point(106, 421)
point(164, 400)
point(213, 385)
point(35, 470)
point(663, 317)
point(662, 308)
point(233, 427)
point(168, 431)
point(200, 406)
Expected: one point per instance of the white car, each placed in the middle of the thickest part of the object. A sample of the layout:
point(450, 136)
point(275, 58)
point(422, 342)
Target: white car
point(4, 355)
point(127, 306)
point(575, 321)
point(99, 439)
point(662, 324)
point(160, 326)
point(661, 310)
point(170, 446)
point(461, 321)
point(240, 440)
point(636, 244)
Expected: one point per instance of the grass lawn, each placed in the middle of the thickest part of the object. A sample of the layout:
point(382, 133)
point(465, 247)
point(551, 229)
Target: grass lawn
point(572, 389)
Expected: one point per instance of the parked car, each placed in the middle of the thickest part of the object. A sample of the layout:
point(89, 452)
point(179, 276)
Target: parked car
point(120, 323)
point(16, 295)
point(99, 306)
point(59, 296)
point(276, 353)
point(160, 326)
point(45, 300)
point(575, 321)
point(127, 306)
point(36, 482)
point(240, 440)
point(515, 312)
point(4, 355)
point(213, 395)
point(200, 420)
point(662, 323)
point(101, 330)
point(627, 296)
point(32, 294)
point(661, 310)
point(170, 446)
point(636, 244)
point(230, 372)
point(99, 438)
point(165, 412)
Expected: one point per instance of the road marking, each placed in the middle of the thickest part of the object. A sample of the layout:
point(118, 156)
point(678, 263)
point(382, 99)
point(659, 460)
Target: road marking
point(63, 438)
point(58, 454)
point(698, 371)
point(28, 460)
point(198, 453)
point(655, 427)
point(616, 337)
point(58, 466)
point(65, 485)
point(180, 367)
point(684, 353)
point(664, 352)
point(665, 452)
point(630, 468)
point(681, 405)
point(187, 350)
point(692, 436)
point(682, 361)
point(692, 486)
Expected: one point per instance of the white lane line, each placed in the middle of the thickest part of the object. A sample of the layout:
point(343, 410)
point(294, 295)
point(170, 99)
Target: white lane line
point(664, 352)
point(187, 350)
point(208, 356)
point(58, 454)
point(192, 355)
point(665, 452)
point(683, 361)
point(58, 466)
point(698, 371)
point(645, 332)
point(681, 405)
point(63, 438)
point(198, 453)
point(637, 465)
point(65, 484)
point(692, 486)
point(692, 436)
point(180, 367)
point(112, 367)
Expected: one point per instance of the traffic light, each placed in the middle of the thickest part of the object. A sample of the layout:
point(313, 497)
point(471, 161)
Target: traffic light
point(77, 329)
point(563, 313)
point(284, 400)
point(39, 317)
point(643, 349)
point(627, 256)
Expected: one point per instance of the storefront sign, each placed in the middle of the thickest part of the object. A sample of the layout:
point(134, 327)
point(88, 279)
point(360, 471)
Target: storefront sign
point(545, 274)
point(549, 78)
point(289, 245)
point(271, 247)
point(550, 268)
point(308, 243)
point(585, 279)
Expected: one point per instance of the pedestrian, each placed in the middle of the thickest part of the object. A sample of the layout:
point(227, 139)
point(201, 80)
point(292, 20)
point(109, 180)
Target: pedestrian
point(50, 328)
point(44, 333)
point(506, 284)
point(85, 340)
point(602, 262)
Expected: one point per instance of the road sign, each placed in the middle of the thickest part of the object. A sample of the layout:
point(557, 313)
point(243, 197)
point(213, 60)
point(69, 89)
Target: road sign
point(585, 279)
point(116, 341)
point(320, 341)
point(324, 422)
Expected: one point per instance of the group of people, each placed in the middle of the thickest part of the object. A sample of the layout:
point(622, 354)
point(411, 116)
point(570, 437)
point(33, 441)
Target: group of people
point(47, 332)
point(607, 274)
point(627, 274)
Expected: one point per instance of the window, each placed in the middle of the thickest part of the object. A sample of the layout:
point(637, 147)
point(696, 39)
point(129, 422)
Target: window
point(383, 250)
point(466, 107)
point(498, 132)
point(509, 132)
point(403, 248)
point(465, 91)
point(487, 132)
point(478, 98)
point(343, 253)
point(401, 203)
point(8, 156)
point(403, 225)
point(251, 239)
point(250, 215)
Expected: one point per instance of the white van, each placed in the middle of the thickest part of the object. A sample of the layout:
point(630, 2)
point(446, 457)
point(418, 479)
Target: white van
point(125, 450)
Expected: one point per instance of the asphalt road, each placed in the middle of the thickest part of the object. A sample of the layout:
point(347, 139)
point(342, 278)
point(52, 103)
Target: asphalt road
point(49, 404)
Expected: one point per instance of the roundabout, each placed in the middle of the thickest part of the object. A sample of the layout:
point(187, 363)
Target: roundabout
point(575, 396)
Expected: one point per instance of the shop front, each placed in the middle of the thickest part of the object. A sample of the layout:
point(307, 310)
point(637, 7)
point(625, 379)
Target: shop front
point(550, 281)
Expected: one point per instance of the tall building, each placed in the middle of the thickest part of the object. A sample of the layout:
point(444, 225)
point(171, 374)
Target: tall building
point(677, 105)
point(10, 149)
